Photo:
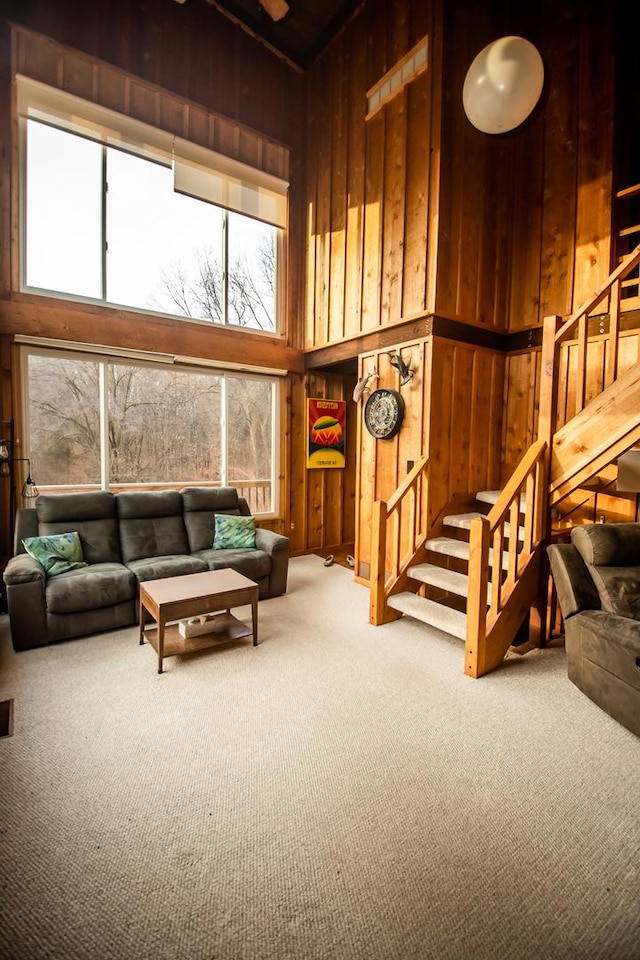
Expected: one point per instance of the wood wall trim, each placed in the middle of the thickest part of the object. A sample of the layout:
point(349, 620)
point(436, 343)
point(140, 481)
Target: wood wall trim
point(39, 317)
point(419, 328)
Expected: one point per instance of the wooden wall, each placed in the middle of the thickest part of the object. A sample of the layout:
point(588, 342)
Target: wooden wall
point(321, 501)
point(453, 415)
point(406, 215)
point(414, 211)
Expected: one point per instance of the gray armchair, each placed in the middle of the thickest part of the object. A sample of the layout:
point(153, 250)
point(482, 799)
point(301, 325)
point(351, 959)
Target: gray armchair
point(597, 579)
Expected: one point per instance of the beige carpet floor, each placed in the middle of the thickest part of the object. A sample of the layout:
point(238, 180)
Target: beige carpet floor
point(340, 792)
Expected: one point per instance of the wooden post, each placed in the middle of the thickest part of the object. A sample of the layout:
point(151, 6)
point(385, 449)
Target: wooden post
point(547, 415)
point(377, 573)
point(474, 653)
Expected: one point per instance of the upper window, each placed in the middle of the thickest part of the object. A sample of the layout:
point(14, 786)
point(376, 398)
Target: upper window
point(120, 213)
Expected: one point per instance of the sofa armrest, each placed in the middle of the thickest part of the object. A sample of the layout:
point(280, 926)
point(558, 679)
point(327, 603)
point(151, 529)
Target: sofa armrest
point(23, 569)
point(277, 546)
point(25, 588)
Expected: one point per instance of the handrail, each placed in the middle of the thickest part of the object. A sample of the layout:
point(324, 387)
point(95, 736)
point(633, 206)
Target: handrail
point(579, 342)
point(621, 271)
point(398, 530)
point(522, 495)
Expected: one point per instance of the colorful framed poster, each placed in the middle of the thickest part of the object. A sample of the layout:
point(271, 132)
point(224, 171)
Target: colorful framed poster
point(326, 426)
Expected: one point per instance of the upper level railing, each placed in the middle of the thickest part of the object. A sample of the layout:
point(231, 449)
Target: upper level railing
point(587, 353)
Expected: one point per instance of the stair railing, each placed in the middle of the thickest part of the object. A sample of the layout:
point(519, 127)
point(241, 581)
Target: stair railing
point(398, 530)
point(510, 549)
point(586, 329)
point(607, 332)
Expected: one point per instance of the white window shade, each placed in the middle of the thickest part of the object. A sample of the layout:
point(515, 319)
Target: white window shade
point(230, 184)
point(37, 101)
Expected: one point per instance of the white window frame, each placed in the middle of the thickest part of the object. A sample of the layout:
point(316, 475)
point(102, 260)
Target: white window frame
point(104, 356)
point(198, 172)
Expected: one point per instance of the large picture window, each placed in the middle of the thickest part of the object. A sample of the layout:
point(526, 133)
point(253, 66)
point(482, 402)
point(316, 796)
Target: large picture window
point(97, 421)
point(119, 213)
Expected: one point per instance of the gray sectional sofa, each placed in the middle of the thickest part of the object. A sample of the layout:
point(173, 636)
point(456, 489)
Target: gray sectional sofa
point(597, 579)
point(126, 538)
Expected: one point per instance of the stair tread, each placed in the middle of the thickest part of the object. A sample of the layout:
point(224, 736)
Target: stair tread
point(459, 549)
point(432, 613)
point(449, 547)
point(440, 577)
point(463, 521)
point(492, 496)
point(450, 580)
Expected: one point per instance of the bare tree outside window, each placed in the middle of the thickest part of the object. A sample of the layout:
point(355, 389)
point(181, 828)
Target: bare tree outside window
point(164, 426)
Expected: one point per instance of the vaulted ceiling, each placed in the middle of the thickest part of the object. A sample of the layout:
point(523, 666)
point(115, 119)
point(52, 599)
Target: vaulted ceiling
point(304, 29)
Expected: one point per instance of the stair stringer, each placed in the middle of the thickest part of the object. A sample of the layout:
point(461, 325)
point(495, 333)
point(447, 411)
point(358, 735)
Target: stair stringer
point(606, 428)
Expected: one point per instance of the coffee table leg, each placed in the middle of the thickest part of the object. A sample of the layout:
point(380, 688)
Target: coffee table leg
point(254, 621)
point(160, 642)
point(141, 616)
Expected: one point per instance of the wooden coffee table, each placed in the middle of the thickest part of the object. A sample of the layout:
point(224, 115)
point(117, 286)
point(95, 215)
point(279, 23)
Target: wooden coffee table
point(177, 598)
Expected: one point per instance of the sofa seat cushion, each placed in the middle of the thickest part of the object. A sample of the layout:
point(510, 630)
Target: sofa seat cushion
point(251, 563)
point(90, 588)
point(155, 568)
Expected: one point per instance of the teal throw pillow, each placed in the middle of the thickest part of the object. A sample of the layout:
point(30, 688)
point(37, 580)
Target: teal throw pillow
point(234, 533)
point(56, 553)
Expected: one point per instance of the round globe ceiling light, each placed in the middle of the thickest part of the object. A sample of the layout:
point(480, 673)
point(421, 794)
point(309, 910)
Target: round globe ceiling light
point(503, 85)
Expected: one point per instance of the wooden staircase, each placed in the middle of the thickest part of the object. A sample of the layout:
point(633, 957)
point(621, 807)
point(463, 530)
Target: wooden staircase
point(442, 582)
point(446, 576)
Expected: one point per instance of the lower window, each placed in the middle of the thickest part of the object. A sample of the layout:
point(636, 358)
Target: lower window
point(103, 422)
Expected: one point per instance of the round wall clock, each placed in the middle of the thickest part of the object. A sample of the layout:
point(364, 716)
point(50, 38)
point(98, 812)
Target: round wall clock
point(384, 413)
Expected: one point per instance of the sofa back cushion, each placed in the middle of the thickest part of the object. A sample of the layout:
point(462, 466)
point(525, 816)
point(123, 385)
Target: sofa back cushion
point(201, 504)
point(611, 552)
point(91, 515)
point(151, 524)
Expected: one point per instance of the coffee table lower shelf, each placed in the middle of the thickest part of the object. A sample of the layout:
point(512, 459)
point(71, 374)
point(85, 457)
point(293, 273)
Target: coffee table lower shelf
point(223, 628)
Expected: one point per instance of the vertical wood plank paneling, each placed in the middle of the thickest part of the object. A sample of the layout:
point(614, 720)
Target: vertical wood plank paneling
point(356, 61)
point(311, 219)
point(595, 152)
point(414, 269)
point(560, 117)
point(461, 401)
point(393, 210)
point(442, 429)
point(297, 507)
point(526, 236)
point(366, 476)
point(373, 214)
point(338, 197)
point(323, 148)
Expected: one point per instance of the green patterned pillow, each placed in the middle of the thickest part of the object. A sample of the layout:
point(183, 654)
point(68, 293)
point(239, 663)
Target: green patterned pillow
point(56, 553)
point(234, 533)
